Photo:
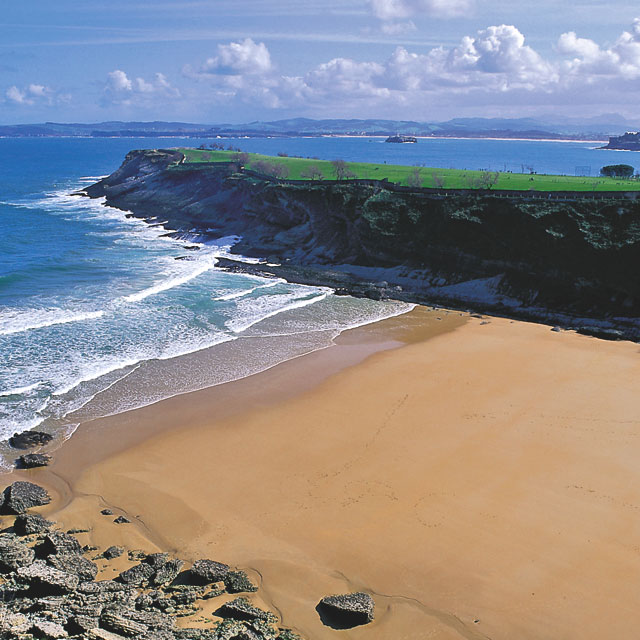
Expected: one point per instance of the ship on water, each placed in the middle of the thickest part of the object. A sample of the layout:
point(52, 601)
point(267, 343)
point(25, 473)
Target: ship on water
point(401, 139)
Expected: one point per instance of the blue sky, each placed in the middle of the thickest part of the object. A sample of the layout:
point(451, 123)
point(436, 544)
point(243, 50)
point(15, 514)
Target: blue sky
point(243, 60)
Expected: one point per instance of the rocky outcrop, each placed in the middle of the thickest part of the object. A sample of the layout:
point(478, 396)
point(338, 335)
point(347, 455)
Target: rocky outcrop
point(33, 460)
point(29, 439)
point(20, 496)
point(346, 611)
point(570, 256)
point(48, 589)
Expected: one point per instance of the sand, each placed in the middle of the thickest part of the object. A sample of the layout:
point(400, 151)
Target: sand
point(480, 481)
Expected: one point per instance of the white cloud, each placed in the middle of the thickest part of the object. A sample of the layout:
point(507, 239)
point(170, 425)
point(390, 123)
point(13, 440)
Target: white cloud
point(400, 9)
point(120, 89)
point(34, 94)
point(495, 67)
point(238, 58)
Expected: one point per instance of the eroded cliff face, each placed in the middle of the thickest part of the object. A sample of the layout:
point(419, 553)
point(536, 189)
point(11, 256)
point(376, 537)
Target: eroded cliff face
point(512, 254)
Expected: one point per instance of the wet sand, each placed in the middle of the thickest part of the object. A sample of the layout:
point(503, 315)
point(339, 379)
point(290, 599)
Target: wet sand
point(480, 481)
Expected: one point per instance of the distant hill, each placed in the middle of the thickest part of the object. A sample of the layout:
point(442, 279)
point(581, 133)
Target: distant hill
point(532, 128)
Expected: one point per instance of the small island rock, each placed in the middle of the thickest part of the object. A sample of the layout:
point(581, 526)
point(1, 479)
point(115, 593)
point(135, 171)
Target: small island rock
point(29, 439)
point(21, 496)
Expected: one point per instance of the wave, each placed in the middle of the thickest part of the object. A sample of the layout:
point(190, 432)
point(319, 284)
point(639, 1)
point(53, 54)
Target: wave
point(19, 325)
point(238, 325)
point(18, 391)
point(246, 292)
point(171, 283)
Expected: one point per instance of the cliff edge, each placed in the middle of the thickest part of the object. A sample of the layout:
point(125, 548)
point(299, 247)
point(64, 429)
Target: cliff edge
point(566, 258)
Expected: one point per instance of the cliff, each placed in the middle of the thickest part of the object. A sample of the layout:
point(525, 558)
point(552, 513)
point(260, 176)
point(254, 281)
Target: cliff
point(569, 258)
point(626, 142)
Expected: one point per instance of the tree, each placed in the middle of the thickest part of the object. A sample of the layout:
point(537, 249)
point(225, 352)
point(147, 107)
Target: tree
point(240, 157)
point(438, 180)
point(488, 179)
point(312, 172)
point(341, 170)
point(414, 179)
point(617, 171)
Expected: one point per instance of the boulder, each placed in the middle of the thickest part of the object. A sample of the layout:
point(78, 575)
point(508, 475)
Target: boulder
point(116, 623)
point(122, 520)
point(207, 571)
point(346, 611)
point(14, 554)
point(46, 580)
point(76, 564)
point(137, 575)
point(168, 572)
point(242, 609)
point(106, 512)
point(61, 543)
point(27, 524)
point(21, 496)
point(48, 629)
point(32, 460)
point(29, 439)
point(113, 552)
point(238, 582)
point(156, 560)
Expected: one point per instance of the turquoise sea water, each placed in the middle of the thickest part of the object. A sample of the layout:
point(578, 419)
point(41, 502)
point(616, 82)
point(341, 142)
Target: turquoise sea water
point(96, 312)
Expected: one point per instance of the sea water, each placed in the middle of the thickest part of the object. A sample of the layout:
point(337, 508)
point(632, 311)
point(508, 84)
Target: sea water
point(98, 310)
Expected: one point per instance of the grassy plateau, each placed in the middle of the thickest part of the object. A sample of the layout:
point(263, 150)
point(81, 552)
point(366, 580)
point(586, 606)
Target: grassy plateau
point(294, 168)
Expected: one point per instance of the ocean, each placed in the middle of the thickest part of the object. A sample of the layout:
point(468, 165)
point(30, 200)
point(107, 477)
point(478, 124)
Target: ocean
point(99, 312)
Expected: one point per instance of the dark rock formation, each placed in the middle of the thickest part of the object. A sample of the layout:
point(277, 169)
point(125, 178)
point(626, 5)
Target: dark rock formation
point(208, 571)
point(14, 554)
point(48, 590)
point(242, 609)
point(59, 543)
point(346, 611)
point(238, 582)
point(47, 580)
point(32, 460)
point(76, 564)
point(29, 439)
point(21, 496)
point(113, 552)
point(30, 523)
point(521, 254)
point(106, 512)
point(122, 520)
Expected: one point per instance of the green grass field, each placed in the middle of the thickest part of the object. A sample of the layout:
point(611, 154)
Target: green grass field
point(427, 177)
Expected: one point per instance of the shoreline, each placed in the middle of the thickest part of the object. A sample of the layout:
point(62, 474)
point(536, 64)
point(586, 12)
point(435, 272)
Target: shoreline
point(477, 482)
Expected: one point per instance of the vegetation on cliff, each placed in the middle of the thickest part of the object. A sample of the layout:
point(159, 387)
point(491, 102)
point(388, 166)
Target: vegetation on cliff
point(293, 168)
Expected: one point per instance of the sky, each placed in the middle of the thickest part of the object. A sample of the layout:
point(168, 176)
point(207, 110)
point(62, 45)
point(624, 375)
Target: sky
point(234, 61)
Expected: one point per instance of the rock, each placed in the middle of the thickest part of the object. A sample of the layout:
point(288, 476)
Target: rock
point(122, 520)
point(32, 460)
point(76, 564)
point(57, 542)
point(106, 512)
point(242, 609)
point(137, 575)
point(48, 629)
point(17, 624)
point(238, 581)
point(156, 560)
point(119, 624)
point(206, 571)
point(14, 554)
point(346, 611)
point(21, 496)
point(29, 439)
point(48, 580)
point(168, 572)
point(103, 634)
point(80, 624)
point(27, 524)
point(113, 552)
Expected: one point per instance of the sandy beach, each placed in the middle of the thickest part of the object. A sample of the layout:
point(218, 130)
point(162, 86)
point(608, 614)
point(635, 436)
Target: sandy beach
point(478, 477)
